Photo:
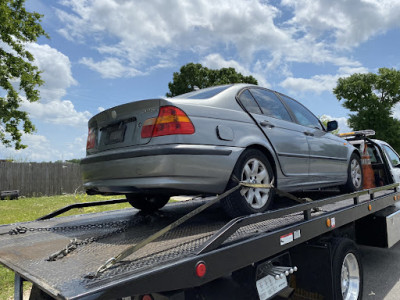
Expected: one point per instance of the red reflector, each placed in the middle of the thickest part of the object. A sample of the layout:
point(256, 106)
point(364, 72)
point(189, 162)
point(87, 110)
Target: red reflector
point(201, 269)
point(91, 140)
point(171, 120)
point(147, 297)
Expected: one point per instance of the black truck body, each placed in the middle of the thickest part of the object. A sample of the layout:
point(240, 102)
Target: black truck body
point(277, 242)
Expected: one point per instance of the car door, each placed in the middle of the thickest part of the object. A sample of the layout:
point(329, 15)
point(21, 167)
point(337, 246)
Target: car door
point(288, 141)
point(328, 153)
point(394, 162)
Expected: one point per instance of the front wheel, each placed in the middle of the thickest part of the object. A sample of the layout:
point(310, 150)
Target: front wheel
point(354, 175)
point(147, 203)
point(253, 167)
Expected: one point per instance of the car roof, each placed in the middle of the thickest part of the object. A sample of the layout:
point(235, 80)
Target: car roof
point(223, 99)
point(213, 91)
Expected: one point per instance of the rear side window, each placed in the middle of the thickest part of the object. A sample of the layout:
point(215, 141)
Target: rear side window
point(249, 103)
point(270, 104)
point(303, 115)
point(204, 93)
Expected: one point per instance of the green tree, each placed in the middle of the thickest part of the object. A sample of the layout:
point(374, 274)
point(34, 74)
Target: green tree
point(372, 98)
point(17, 74)
point(195, 75)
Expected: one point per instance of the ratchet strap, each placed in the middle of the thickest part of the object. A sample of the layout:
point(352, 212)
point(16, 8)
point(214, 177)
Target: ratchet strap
point(132, 249)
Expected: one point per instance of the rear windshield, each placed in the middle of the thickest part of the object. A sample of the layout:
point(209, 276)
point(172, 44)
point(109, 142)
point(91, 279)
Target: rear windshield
point(204, 93)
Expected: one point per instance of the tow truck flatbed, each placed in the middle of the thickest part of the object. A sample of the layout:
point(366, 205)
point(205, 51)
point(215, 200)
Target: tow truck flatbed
point(169, 262)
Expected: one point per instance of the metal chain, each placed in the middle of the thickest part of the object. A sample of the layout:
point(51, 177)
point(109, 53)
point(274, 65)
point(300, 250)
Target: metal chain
point(22, 229)
point(74, 243)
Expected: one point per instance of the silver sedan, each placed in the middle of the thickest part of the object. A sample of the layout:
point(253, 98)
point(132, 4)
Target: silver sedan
point(203, 142)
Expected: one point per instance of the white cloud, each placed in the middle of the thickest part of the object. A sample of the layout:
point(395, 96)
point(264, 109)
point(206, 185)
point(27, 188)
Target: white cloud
point(110, 67)
point(57, 112)
point(135, 37)
point(56, 68)
point(347, 70)
point(349, 23)
point(396, 111)
point(57, 75)
point(39, 149)
point(317, 83)
point(77, 148)
point(320, 83)
point(216, 61)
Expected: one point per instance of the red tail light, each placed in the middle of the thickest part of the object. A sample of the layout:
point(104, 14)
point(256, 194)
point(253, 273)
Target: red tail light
point(91, 140)
point(171, 120)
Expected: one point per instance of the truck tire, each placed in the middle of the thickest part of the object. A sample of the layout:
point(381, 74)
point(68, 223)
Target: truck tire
point(252, 166)
point(347, 270)
point(147, 203)
point(354, 175)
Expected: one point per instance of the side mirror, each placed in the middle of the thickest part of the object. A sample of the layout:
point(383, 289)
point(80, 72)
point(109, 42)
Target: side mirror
point(332, 125)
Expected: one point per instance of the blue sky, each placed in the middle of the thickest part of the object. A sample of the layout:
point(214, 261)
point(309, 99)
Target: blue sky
point(107, 52)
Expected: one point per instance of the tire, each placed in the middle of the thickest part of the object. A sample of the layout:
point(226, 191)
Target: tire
point(347, 270)
point(147, 203)
point(252, 166)
point(354, 175)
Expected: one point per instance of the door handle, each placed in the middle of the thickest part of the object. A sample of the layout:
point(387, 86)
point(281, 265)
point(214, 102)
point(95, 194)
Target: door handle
point(266, 123)
point(307, 133)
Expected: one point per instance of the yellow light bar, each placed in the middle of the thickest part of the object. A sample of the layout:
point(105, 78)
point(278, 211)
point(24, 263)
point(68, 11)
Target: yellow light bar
point(346, 134)
point(367, 132)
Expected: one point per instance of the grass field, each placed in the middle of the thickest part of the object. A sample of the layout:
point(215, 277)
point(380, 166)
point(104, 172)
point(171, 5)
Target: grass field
point(28, 209)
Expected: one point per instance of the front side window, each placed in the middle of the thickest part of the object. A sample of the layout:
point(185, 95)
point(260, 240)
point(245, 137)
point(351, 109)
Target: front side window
point(270, 104)
point(393, 157)
point(303, 115)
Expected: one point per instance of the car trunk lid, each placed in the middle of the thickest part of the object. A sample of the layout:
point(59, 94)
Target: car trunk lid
point(121, 126)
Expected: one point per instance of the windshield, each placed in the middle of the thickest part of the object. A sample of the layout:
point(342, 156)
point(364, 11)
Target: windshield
point(204, 93)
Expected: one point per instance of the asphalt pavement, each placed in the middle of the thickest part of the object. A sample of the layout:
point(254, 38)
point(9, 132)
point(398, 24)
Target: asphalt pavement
point(381, 272)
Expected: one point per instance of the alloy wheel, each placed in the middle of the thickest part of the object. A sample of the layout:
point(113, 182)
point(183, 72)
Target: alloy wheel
point(356, 176)
point(350, 278)
point(254, 171)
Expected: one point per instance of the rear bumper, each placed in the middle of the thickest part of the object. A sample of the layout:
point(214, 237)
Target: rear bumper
point(167, 169)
